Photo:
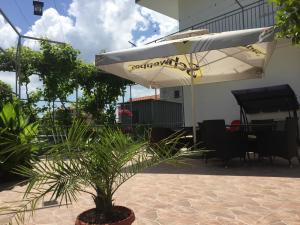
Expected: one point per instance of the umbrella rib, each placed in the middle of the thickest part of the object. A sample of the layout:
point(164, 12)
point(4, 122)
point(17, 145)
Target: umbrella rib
point(227, 55)
point(158, 72)
point(202, 58)
point(188, 61)
point(217, 60)
point(238, 58)
point(202, 47)
point(200, 50)
point(155, 75)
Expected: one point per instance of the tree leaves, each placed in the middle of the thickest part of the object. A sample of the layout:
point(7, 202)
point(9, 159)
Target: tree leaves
point(61, 72)
point(288, 19)
point(56, 67)
point(16, 137)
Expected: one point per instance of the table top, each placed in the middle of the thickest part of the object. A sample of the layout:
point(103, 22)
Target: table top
point(251, 124)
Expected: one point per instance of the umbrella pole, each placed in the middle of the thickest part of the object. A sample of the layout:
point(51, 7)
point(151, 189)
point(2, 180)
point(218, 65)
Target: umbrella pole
point(193, 101)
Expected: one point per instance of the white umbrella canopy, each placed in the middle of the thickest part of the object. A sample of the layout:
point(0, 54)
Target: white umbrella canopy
point(200, 59)
point(217, 57)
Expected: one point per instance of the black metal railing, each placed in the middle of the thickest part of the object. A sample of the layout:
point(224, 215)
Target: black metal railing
point(254, 15)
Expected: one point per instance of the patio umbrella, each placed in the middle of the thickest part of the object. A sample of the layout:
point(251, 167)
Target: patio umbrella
point(192, 58)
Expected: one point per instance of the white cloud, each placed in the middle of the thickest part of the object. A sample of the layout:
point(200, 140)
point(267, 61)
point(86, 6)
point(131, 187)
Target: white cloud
point(8, 37)
point(32, 86)
point(52, 26)
point(166, 25)
point(103, 25)
point(95, 25)
point(9, 78)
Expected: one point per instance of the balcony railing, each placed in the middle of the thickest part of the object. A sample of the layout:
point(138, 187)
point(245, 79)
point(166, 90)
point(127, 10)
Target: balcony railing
point(254, 15)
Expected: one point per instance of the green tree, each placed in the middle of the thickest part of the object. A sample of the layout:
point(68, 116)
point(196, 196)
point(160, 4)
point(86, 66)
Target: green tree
point(100, 92)
point(29, 61)
point(61, 73)
point(7, 60)
point(288, 19)
point(56, 68)
point(5, 93)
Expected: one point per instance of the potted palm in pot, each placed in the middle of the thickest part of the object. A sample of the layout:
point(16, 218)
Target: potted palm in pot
point(96, 162)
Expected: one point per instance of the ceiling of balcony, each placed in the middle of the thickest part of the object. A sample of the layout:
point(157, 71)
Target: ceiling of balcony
point(166, 7)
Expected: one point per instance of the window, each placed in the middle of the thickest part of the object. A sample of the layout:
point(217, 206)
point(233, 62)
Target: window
point(176, 94)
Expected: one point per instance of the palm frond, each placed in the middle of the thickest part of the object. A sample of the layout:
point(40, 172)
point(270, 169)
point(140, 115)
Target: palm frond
point(83, 157)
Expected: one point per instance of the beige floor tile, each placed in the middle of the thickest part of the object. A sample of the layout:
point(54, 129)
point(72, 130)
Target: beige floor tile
point(196, 194)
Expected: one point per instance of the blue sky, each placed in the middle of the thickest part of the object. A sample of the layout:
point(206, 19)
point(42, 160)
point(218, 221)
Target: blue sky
point(89, 26)
point(20, 12)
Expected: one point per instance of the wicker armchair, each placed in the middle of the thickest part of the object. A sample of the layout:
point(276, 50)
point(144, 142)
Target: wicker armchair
point(222, 143)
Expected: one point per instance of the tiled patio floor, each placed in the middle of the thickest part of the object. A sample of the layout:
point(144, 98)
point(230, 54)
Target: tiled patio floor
point(199, 194)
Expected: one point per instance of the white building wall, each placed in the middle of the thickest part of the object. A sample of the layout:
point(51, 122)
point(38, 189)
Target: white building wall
point(215, 101)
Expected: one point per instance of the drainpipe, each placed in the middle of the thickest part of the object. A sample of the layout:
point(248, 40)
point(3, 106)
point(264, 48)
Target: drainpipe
point(243, 12)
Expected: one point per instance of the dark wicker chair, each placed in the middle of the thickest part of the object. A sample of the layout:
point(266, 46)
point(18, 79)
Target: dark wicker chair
point(188, 141)
point(158, 134)
point(283, 142)
point(221, 143)
point(262, 130)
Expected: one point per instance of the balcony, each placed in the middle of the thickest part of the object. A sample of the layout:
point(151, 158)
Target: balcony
point(254, 15)
point(166, 7)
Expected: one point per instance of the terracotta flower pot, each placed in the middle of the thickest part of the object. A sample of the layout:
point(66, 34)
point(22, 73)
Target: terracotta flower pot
point(127, 221)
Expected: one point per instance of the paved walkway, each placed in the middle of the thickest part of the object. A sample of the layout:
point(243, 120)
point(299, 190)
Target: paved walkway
point(198, 194)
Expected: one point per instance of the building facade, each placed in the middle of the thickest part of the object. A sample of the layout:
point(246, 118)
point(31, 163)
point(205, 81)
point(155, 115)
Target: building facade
point(215, 101)
point(172, 94)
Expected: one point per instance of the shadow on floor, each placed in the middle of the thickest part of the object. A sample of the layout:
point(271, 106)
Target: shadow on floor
point(8, 184)
point(264, 168)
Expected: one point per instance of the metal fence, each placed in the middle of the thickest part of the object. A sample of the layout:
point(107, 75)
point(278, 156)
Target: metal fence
point(254, 15)
point(150, 113)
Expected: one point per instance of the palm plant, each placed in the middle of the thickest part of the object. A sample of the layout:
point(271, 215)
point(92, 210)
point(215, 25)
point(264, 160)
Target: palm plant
point(93, 161)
